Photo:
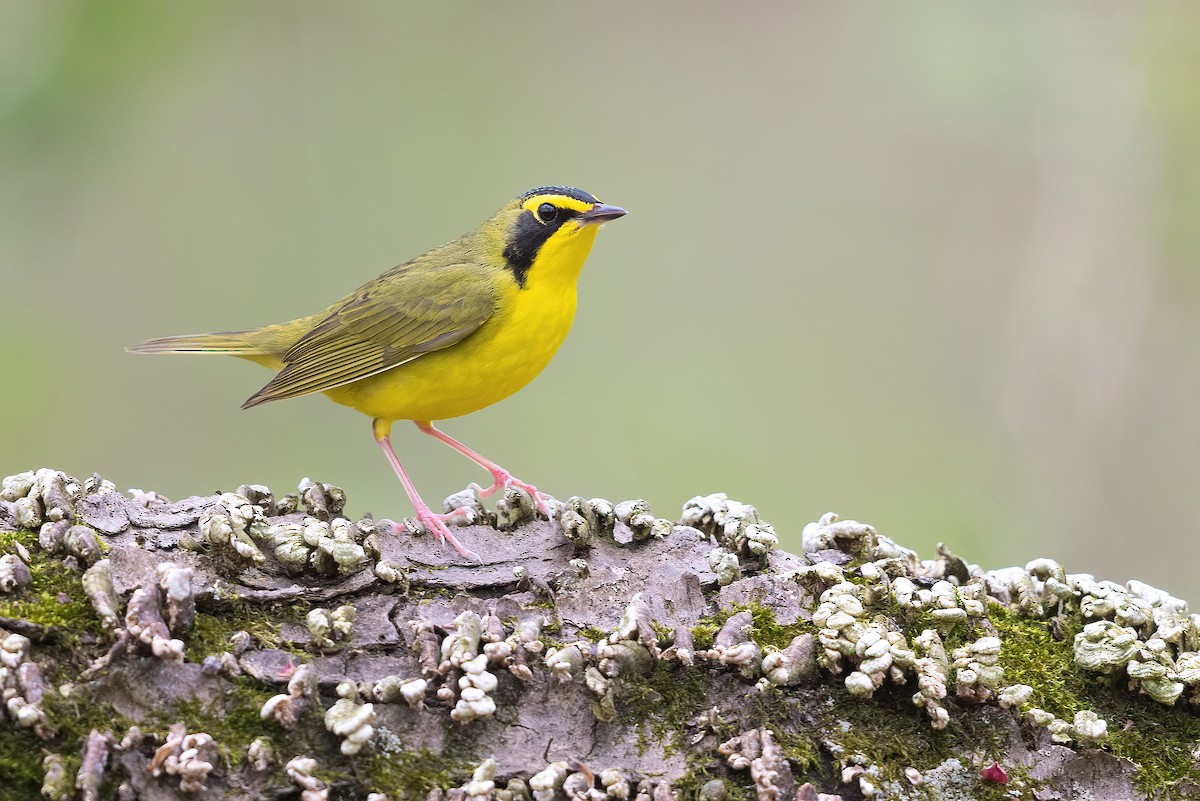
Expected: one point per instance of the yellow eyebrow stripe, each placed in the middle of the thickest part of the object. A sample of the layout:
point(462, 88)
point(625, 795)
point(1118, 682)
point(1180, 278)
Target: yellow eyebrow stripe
point(562, 201)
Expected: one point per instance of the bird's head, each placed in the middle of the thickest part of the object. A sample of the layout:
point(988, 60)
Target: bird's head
point(549, 231)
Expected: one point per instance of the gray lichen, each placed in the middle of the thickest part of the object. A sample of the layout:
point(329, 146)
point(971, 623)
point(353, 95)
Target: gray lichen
point(350, 719)
point(737, 526)
point(14, 573)
point(191, 757)
point(301, 770)
point(331, 628)
point(145, 624)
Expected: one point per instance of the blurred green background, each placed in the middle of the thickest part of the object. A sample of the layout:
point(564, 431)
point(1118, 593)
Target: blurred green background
point(932, 266)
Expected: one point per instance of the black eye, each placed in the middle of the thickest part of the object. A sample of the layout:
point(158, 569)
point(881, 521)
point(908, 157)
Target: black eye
point(547, 212)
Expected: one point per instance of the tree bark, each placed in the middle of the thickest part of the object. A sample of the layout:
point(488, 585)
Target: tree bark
point(239, 646)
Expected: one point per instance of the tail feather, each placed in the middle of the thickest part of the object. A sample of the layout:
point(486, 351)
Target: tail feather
point(228, 342)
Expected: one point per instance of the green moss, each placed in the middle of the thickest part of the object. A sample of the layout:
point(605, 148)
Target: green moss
point(27, 538)
point(75, 716)
point(20, 764)
point(71, 718)
point(1032, 654)
point(687, 787)
point(55, 599)
point(73, 636)
point(1159, 739)
point(661, 630)
point(663, 703)
point(787, 713)
point(233, 721)
point(704, 631)
point(893, 734)
point(213, 627)
point(764, 628)
point(886, 729)
point(410, 775)
point(592, 634)
point(767, 632)
point(660, 705)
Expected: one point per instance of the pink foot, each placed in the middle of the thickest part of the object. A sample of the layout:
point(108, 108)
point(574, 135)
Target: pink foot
point(503, 480)
point(436, 525)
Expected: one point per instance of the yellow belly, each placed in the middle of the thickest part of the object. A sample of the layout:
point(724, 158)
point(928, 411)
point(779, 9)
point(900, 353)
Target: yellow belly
point(497, 360)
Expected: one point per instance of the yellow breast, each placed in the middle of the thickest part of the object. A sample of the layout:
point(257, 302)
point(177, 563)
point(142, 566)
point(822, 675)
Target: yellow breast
point(504, 355)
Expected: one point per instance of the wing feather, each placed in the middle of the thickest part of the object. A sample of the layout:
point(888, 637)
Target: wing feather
point(405, 313)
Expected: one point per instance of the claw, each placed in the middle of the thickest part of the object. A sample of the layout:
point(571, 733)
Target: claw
point(504, 480)
point(501, 478)
point(435, 524)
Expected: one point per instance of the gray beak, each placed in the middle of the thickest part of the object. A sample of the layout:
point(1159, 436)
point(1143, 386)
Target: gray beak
point(600, 213)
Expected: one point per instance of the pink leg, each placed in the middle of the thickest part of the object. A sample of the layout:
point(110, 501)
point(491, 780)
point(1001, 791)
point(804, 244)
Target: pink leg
point(436, 523)
point(501, 478)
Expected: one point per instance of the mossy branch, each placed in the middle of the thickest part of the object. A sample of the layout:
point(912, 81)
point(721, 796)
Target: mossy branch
point(243, 646)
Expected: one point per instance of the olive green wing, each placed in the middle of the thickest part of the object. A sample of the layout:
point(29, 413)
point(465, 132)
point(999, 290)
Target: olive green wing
point(405, 313)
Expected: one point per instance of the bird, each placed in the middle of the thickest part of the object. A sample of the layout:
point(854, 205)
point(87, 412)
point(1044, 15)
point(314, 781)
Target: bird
point(443, 335)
